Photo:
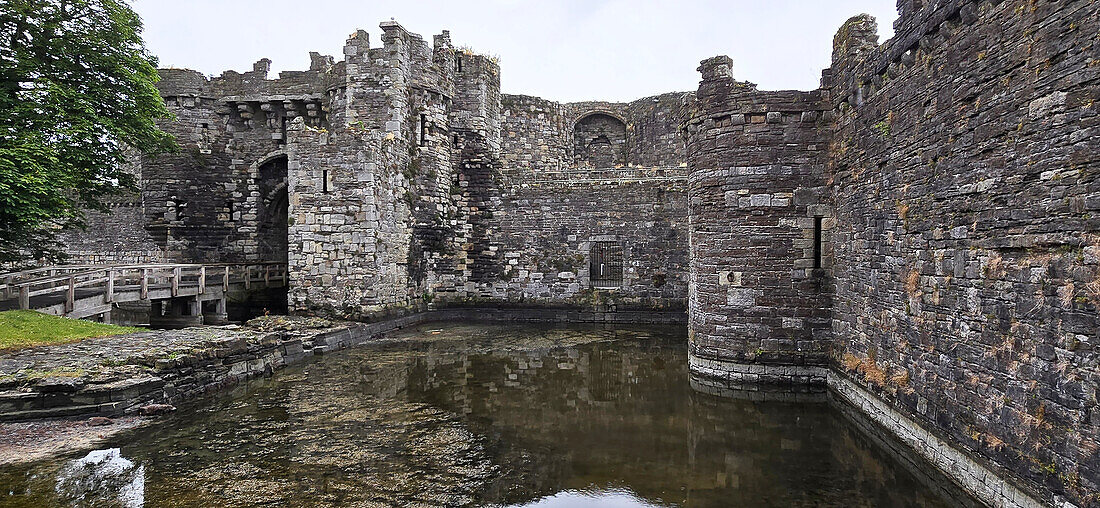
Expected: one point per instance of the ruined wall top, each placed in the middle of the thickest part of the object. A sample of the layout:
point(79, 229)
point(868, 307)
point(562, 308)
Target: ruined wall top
point(431, 67)
point(856, 36)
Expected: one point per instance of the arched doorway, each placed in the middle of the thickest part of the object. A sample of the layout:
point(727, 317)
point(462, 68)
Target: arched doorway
point(272, 210)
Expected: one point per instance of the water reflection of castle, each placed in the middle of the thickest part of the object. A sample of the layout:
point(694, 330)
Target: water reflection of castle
point(622, 415)
point(619, 416)
point(574, 377)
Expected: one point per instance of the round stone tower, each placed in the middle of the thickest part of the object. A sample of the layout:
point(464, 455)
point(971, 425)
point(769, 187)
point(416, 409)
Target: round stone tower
point(758, 302)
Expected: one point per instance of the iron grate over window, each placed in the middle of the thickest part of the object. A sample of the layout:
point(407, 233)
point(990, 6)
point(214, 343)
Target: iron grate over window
point(605, 264)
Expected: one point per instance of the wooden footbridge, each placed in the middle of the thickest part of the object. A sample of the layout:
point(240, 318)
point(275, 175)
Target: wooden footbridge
point(179, 294)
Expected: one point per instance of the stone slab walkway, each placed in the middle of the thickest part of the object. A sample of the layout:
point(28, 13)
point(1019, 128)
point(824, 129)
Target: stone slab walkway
point(124, 373)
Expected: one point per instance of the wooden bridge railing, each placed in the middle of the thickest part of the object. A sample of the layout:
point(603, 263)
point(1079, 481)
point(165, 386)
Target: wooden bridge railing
point(8, 279)
point(112, 279)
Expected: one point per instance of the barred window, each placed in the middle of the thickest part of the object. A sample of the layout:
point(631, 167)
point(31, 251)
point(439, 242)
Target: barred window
point(605, 264)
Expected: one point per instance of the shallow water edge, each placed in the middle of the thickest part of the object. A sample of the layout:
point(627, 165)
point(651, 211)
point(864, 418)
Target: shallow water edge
point(418, 326)
point(466, 414)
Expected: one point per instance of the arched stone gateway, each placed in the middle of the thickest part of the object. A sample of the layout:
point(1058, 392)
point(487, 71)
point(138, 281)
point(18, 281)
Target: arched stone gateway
point(272, 221)
point(599, 141)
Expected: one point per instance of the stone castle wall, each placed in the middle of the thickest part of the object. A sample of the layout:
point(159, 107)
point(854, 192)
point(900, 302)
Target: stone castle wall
point(760, 294)
point(922, 227)
point(537, 249)
point(954, 171)
point(427, 192)
point(401, 174)
point(547, 137)
point(374, 222)
point(214, 200)
point(118, 236)
point(964, 160)
point(534, 134)
point(556, 194)
point(115, 237)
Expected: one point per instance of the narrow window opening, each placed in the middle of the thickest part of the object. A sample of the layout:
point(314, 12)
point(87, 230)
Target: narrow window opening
point(177, 209)
point(605, 265)
point(423, 130)
point(456, 139)
point(324, 181)
point(229, 208)
point(817, 241)
point(458, 63)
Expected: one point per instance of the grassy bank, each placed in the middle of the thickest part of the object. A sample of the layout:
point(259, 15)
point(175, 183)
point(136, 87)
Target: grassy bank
point(25, 328)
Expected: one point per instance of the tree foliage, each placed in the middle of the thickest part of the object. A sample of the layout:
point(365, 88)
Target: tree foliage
point(77, 93)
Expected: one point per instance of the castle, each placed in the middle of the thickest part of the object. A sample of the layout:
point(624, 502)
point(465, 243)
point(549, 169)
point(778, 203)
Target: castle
point(921, 233)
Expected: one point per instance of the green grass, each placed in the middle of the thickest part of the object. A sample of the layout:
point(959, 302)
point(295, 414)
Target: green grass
point(26, 328)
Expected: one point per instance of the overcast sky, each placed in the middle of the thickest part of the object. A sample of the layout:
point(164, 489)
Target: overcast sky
point(565, 50)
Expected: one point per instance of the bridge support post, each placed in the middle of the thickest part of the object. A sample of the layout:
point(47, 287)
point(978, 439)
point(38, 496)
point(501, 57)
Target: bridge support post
point(179, 313)
point(70, 296)
point(214, 313)
point(110, 295)
point(25, 298)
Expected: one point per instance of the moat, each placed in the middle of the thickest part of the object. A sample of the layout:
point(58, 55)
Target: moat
point(496, 415)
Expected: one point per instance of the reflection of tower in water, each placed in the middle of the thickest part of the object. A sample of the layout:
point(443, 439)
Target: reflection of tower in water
point(441, 378)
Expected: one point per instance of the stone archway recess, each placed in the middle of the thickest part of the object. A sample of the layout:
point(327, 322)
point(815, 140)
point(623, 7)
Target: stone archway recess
point(272, 207)
point(599, 140)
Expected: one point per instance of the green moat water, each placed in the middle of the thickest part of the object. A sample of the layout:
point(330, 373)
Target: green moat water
point(486, 415)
